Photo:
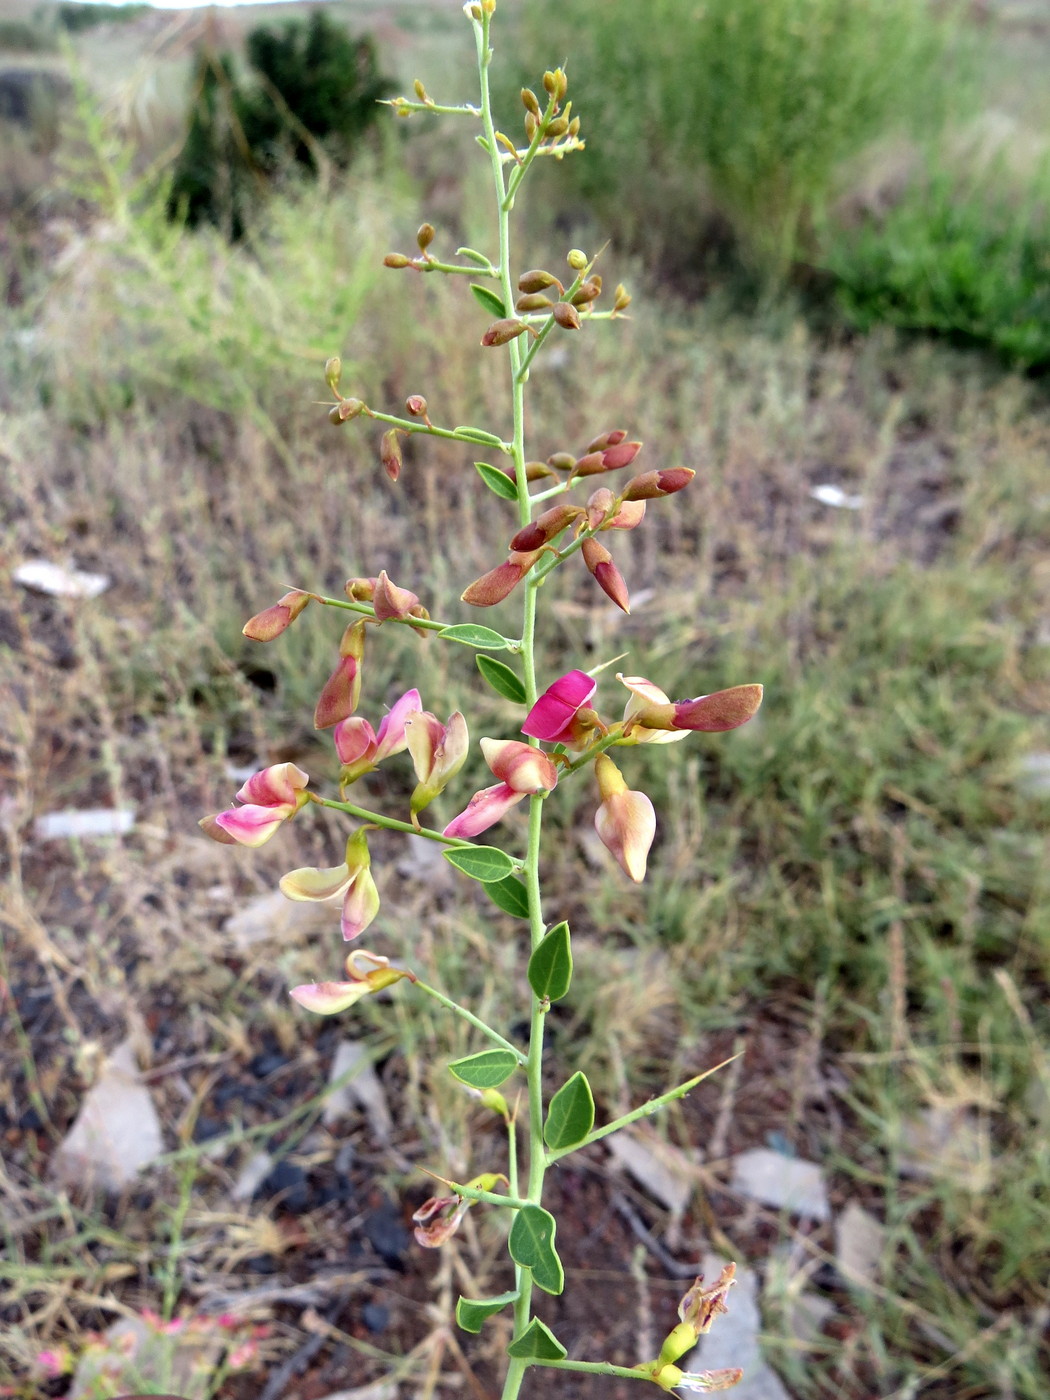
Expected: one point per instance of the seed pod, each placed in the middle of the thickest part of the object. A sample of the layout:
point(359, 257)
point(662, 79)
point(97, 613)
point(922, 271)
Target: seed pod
point(333, 368)
point(577, 259)
point(544, 528)
point(535, 301)
point(390, 454)
point(537, 279)
point(425, 236)
point(623, 298)
point(530, 101)
point(563, 461)
point(610, 580)
point(396, 260)
point(500, 332)
point(658, 483)
point(566, 316)
point(416, 406)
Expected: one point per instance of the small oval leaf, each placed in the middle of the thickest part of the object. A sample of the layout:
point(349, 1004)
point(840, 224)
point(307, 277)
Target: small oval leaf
point(511, 896)
point(484, 863)
point(531, 1245)
point(466, 433)
point(550, 967)
point(471, 1313)
point(497, 481)
point(487, 298)
point(472, 255)
point(537, 1343)
point(471, 635)
point(570, 1115)
point(485, 1070)
point(502, 679)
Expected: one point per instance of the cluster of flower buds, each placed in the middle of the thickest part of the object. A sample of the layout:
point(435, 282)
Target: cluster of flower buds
point(625, 820)
point(604, 510)
point(542, 297)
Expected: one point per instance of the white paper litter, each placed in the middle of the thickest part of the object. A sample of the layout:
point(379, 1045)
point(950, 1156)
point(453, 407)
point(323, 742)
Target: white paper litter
point(783, 1182)
point(662, 1169)
point(92, 821)
point(271, 916)
point(44, 577)
point(829, 495)
point(362, 1091)
point(117, 1131)
point(252, 1175)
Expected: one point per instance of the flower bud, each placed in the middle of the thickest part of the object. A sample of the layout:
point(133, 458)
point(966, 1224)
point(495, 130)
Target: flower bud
point(604, 440)
point(544, 528)
point(658, 483)
point(587, 292)
point(345, 410)
point(390, 454)
point(333, 368)
point(500, 582)
point(396, 260)
point(537, 280)
point(610, 580)
point(270, 623)
point(532, 125)
point(589, 465)
point(534, 301)
point(574, 127)
point(360, 590)
point(536, 471)
point(625, 821)
point(416, 406)
point(622, 299)
point(425, 236)
point(555, 84)
point(622, 455)
point(599, 504)
point(577, 259)
point(566, 316)
point(563, 461)
point(556, 127)
point(390, 602)
point(530, 101)
point(501, 332)
point(420, 91)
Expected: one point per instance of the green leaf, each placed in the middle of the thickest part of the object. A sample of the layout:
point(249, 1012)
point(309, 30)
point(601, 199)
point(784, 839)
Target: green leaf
point(511, 896)
point(471, 635)
point(570, 1116)
point(537, 1343)
point(484, 863)
point(471, 1313)
point(485, 1070)
point(502, 679)
point(531, 1245)
point(497, 481)
point(489, 300)
point(466, 433)
point(550, 967)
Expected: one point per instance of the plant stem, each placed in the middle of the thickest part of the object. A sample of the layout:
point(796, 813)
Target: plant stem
point(475, 1021)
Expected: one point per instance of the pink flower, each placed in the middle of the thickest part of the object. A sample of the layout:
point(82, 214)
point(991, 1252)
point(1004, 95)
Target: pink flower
point(438, 1219)
point(556, 714)
point(524, 771)
point(361, 749)
point(438, 753)
point(366, 973)
point(270, 797)
point(352, 880)
point(270, 623)
point(654, 719)
point(625, 820)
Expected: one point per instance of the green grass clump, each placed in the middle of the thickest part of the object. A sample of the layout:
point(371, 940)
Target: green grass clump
point(967, 260)
point(752, 105)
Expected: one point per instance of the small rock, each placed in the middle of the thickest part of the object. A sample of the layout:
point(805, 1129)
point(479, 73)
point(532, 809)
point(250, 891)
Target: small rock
point(376, 1317)
point(117, 1131)
point(733, 1339)
point(859, 1241)
point(783, 1182)
point(421, 859)
point(274, 916)
point(663, 1170)
point(252, 1175)
point(362, 1090)
point(288, 1181)
point(44, 577)
point(92, 821)
point(947, 1144)
point(829, 495)
point(386, 1233)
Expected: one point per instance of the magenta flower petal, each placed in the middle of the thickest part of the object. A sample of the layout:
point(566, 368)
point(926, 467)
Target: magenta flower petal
point(392, 736)
point(484, 809)
point(553, 713)
point(520, 766)
point(354, 739)
point(275, 787)
point(252, 825)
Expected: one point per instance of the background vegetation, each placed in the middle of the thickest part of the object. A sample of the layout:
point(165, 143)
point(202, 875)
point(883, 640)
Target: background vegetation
point(853, 890)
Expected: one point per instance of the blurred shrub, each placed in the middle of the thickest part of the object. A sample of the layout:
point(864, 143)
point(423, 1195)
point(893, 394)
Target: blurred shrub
point(968, 260)
point(27, 35)
point(310, 98)
point(755, 104)
point(76, 17)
